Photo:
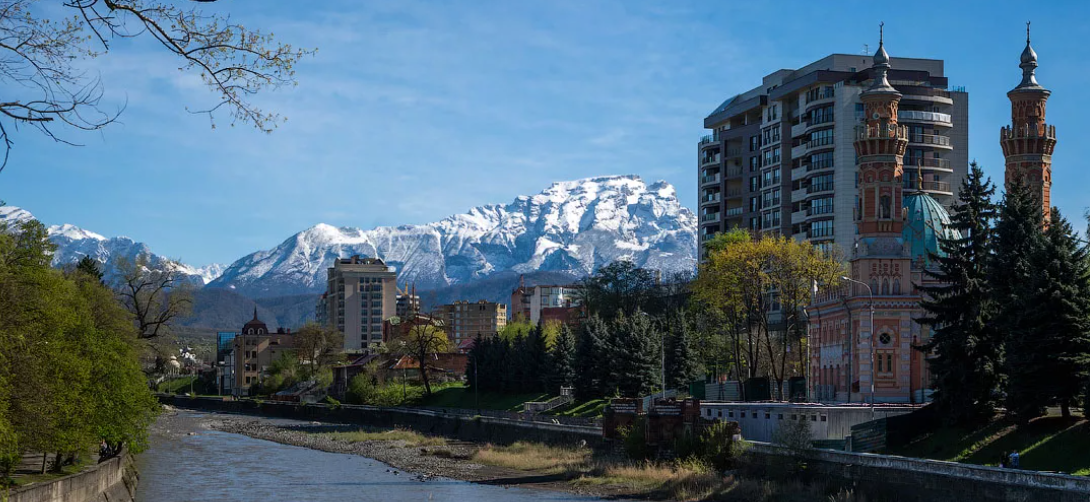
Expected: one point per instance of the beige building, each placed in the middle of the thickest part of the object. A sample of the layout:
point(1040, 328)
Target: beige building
point(361, 293)
point(464, 320)
point(253, 351)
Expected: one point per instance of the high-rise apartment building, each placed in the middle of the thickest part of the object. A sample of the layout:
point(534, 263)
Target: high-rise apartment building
point(360, 295)
point(408, 302)
point(534, 303)
point(780, 157)
point(465, 320)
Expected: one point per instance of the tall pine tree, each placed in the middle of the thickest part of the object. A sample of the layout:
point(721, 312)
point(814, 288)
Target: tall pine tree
point(1013, 280)
point(591, 360)
point(562, 357)
point(966, 367)
point(682, 366)
point(635, 355)
point(1063, 304)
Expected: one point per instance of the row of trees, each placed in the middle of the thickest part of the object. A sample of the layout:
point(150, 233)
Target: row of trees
point(69, 373)
point(1011, 318)
point(753, 293)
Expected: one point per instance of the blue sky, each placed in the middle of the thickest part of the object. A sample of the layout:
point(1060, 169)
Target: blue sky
point(412, 111)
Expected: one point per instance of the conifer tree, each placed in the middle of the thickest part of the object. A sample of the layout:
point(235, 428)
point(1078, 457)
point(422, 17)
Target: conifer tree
point(476, 352)
point(563, 359)
point(1063, 301)
point(634, 355)
point(90, 267)
point(591, 363)
point(682, 366)
point(535, 360)
point(966, 362)
point(1013, 280)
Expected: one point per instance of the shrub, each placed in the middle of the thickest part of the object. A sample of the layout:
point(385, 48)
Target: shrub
point(634, 439)
point(717, 445)
point(794, 434)
point(333, 403)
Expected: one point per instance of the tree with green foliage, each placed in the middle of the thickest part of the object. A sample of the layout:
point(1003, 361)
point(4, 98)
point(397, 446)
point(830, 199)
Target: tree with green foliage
point(318, 347)
point(682, 363)
point(592, 360)
point(1063, 305)
point(966, 364)
point(620, 287)
point(1013, 278)
point(90, 267)
point(562, 357)
point(422, 341)
point(726, 239)
point(535, 361)
point(634, 352)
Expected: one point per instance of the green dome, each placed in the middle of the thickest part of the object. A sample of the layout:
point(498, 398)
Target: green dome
point(926, 221)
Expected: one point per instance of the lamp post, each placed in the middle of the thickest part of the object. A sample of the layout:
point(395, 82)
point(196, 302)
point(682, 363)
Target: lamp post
point(870, 292)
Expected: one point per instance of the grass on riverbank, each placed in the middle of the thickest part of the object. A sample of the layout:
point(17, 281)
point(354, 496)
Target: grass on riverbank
point(1050, 443)
point(459, 396)
point(592, 408)
point(411, 438)
point(676, 480)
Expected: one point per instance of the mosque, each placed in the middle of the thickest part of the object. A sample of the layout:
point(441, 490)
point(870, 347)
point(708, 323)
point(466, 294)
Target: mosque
point(862, 334)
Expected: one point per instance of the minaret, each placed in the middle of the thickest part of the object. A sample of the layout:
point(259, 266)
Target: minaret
point(1029, 141)
point(880, 146)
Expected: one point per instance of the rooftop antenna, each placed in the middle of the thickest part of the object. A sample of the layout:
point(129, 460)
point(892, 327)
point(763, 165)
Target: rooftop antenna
point(866, 49)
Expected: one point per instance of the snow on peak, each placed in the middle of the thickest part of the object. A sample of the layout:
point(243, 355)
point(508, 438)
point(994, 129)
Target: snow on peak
point(73, 232)
point(571, 226)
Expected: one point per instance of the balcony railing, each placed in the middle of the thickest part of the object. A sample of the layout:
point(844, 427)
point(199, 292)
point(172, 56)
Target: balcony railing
point(733, 152)
point(735, 211)
point(710, 198)
point(929, 139)
point(712, 178)
point(710, 138)
point(884, 131)
point(926, 162)
point(819, 187)
point(734, 172)
point(706, 237)
point(914, 115)
point(819, 142)
point(933, 186)
point(819, 210)
point(710, 217)
point(711, 159)
point(734, 192)
point(821, 164)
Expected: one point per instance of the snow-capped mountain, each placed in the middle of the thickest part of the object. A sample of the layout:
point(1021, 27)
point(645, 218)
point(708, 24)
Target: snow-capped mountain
point(73, 243)
point(574, 226)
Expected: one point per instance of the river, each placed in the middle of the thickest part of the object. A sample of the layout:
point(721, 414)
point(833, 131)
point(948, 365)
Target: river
point(188, 461)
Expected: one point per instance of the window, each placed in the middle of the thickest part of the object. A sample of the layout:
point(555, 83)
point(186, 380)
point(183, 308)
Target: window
point(821, 115)
point(823, 160)
point(820, 183)
point(885, 202)
point(754, 204)
point(776, 195)
point(754, 143)
point(884, 362)
point(820, 138)
point(776, 154)
point(754, 164)
point(822, 228)
point(860, 112)
point(823, 205)
point(884, 339)
point(754, 184)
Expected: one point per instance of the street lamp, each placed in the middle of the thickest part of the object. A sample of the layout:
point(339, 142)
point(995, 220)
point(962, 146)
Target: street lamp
point(870, 292)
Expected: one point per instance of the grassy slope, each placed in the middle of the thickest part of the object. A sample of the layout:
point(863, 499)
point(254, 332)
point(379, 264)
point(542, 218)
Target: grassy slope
point(459, 396)
point(1049, 443)
point(591, 408)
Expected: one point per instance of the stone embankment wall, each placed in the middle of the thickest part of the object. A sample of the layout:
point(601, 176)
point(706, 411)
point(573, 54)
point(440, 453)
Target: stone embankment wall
point(113, 480)
point(469, 428)
point(886, 477)
point(880, 477)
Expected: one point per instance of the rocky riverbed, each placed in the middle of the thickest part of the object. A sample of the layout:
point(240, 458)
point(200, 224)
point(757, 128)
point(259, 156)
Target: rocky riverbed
point(450, 460)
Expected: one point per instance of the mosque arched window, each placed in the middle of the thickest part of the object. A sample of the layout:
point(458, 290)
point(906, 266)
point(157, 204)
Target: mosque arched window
point(897, 286)
point(885, 205)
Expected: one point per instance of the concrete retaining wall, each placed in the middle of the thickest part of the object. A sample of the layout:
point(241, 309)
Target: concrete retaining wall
point(886, 477)
point(759, 421)
point(481, 429)
point(111, 481)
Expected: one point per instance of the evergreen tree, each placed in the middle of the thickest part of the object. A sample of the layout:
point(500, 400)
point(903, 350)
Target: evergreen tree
point(1013, 280)
point(966, 364)
point(1063, 301)
point(535, 361)
point(89, 266)
point(682, 366)
point(475, 354)
point(591, 360)
point(634, 348)
point(563, 359)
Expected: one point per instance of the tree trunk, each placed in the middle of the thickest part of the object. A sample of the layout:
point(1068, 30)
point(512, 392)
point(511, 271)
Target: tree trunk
point(45, 457)
point(57, 462)
point(424, 375)
point(1065, 407)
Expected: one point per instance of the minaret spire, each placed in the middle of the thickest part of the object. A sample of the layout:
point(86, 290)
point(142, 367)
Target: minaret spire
point(1029, 141)
point(255, 312)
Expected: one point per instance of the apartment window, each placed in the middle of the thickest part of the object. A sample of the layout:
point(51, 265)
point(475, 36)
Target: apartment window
point(754, 184)
point(823, 160)
point(821, 115)
point(776, 155)
point(823, 205)
point(754, 223)
point(767, 179)
point(860, 112)
point(754, 204)
point(776, 176)
point(776, 134)
point(822, 228)
point(820, 183)
point(776, 197)
point(775, 219)
point(754, 143)
point(754, 164)
point(820, 138)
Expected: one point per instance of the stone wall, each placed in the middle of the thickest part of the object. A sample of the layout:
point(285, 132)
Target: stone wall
point(468, 428)
point(886, 477)
point(111, 481)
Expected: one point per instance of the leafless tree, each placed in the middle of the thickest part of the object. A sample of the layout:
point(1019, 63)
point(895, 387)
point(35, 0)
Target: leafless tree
point(423, 339)
point(40, 55)
point(156, 294)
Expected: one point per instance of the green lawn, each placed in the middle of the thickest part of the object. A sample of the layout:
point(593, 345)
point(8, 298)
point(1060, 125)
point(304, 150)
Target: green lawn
point(178, 385)
point(591, 408)
point(458, 396)
point(1050, 443)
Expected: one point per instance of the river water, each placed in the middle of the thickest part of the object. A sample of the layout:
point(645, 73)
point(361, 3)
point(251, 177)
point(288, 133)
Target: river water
point(187, 461)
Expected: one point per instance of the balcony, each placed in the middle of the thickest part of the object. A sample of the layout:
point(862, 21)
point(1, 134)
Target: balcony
point(710, 179)
point(928, 162)
point(921, 116)
point(710, 217)
point(734, 172)
point(930, 186)
point(706, 237)
point(734, 192)
point(733, 152)
point(819, 187)
point(735, 211)
point(937, 140)
point(886, 131)
point(798, 129)
point(819, 165)
point(814, 143)
point(712, 198)
point(710, 160)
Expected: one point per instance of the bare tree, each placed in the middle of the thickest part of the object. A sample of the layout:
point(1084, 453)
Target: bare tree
point(40, 55)
point(318, 347)
point(156, 294)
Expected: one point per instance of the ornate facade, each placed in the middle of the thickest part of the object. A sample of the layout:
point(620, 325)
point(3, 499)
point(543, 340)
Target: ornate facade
point(1029, 141)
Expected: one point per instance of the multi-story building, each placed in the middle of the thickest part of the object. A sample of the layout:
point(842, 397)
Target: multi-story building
point(862, 336)
point(465, 320)
point(534, 303)
point(408, 303)
point(780, 157)
point(360, 295)
point(252, 352)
